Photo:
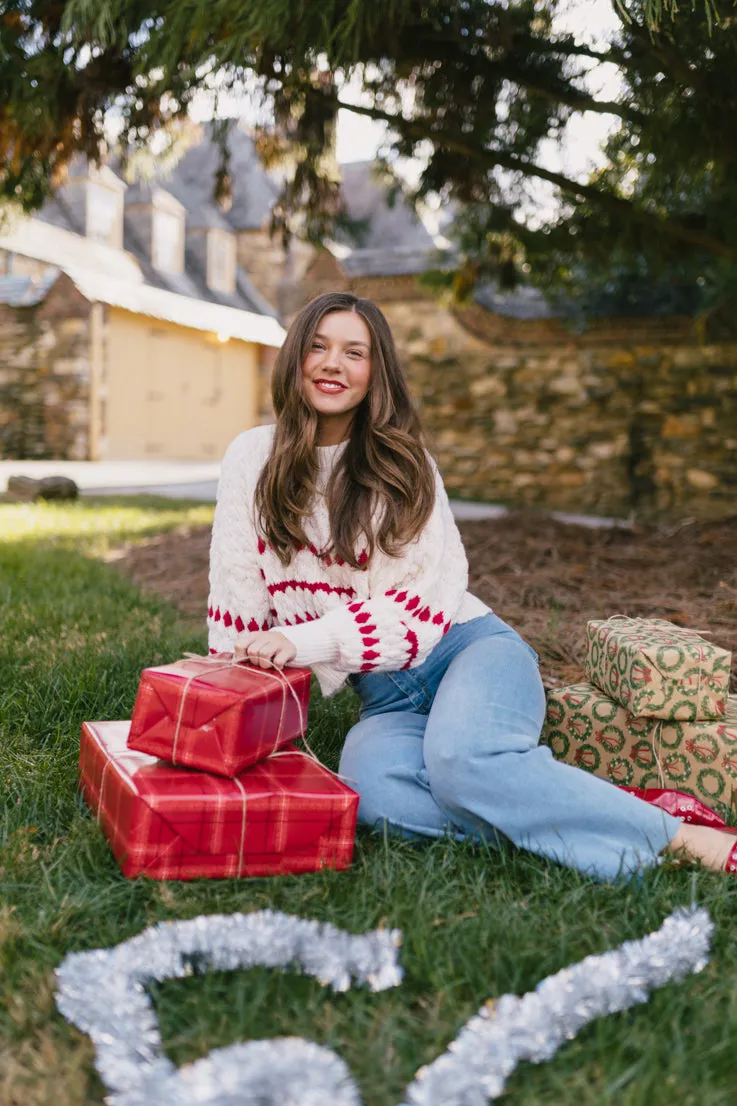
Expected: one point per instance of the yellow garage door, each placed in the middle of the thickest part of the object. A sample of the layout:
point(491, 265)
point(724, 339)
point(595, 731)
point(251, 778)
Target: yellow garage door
point(173, 393)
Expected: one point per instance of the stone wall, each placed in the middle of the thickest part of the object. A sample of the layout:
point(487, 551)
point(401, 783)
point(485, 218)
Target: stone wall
point(627, 418)
point(44, 376)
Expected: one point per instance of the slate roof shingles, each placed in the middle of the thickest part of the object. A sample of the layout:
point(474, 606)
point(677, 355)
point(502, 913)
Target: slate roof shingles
point(395, 243)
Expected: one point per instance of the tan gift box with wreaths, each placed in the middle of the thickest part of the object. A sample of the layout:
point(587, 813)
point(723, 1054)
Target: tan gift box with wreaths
point(586, 728)
point(653, 668)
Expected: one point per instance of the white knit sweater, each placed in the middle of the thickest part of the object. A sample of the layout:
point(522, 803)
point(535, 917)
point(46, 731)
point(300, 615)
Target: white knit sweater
point(385, 616)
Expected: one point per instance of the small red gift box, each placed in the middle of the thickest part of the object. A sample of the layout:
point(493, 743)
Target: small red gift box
point(219, 719)
point(286, 815)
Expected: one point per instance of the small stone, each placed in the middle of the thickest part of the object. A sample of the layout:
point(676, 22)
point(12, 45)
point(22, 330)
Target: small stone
point(565, 385)
point(570, 479)
point(604, 451)
point(681, 426)
point(704, 481)
point(25, 489)
point(487, 386)
point(505, 422)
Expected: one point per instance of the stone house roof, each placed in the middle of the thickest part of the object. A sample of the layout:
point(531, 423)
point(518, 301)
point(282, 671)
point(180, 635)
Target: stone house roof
point(524, 302)
point(254, 190)
point(389, 227)
point(191, 283)
point(25, 291)
point(393, 241)
point(105, 274)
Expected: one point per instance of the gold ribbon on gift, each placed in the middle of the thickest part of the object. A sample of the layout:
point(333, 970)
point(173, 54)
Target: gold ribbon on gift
point(242, 842)
point(105, 767)
point(657, 753)
point(108, 762)
point(213, 663)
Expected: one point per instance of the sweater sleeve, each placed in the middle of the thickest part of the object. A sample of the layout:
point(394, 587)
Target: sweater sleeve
point(239, 599)
point(413, 601)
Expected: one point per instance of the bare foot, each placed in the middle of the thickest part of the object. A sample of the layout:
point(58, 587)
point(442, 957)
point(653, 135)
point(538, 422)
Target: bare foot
point(710, 846)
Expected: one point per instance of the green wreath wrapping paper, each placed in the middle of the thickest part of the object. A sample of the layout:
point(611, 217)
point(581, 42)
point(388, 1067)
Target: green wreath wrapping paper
point(586, 728)
point(653, 668)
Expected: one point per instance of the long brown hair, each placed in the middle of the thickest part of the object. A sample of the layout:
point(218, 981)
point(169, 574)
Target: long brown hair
point(383, 462)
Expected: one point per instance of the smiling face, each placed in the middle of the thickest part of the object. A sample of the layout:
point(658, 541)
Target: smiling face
point(340, 354)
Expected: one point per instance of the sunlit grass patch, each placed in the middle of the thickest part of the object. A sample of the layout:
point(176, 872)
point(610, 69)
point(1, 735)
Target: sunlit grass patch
point(94, 524)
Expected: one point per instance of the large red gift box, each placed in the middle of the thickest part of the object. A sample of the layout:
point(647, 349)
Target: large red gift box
point(219, 719)
point(285, 815)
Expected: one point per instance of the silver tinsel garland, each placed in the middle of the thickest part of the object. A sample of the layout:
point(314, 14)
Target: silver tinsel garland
point(103, 992)
point(532, 1027)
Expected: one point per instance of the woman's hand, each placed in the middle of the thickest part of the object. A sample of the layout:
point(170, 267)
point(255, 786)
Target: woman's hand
point(265, 648)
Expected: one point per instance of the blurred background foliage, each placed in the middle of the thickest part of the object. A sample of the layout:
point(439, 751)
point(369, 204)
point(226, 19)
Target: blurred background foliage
point(475, 88)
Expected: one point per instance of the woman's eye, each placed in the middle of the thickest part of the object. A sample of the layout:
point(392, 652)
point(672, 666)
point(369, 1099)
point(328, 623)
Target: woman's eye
point(356, 351)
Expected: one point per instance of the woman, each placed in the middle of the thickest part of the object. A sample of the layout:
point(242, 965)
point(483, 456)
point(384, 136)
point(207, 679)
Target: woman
point(334, 547)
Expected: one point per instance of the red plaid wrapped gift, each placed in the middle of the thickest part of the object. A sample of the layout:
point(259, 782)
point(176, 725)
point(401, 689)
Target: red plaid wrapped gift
point(213, 714)
point(287, 815)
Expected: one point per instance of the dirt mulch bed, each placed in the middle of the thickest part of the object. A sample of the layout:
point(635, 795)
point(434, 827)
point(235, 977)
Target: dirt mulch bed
point(544, 577)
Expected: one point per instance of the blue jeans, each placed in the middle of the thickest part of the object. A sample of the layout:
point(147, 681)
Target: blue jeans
point(451, 747)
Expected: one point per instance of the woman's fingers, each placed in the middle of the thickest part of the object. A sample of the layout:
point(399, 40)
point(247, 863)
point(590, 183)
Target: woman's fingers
point(241, 644)
point(259, 655)
point(261, 651)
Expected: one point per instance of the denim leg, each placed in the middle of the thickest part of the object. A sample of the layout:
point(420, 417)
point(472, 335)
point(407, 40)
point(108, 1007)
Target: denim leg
point(486, 768)
point(382, 760)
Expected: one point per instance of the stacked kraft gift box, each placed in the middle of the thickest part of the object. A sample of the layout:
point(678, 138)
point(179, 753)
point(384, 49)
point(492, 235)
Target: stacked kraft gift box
point(655, 712)
point(205, 781)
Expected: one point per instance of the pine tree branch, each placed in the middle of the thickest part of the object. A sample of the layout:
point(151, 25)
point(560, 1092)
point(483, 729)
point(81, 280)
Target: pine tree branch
point(669, 57)
point(569, 96)
point(607, 201)
point(511, 67)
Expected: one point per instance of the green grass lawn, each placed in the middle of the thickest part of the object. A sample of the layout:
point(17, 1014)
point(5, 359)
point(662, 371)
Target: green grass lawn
point(74, 636)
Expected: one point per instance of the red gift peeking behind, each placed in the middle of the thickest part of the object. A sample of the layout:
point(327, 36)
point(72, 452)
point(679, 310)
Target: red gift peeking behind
point(213, 714)
point(680, 804)
point(287, 815)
